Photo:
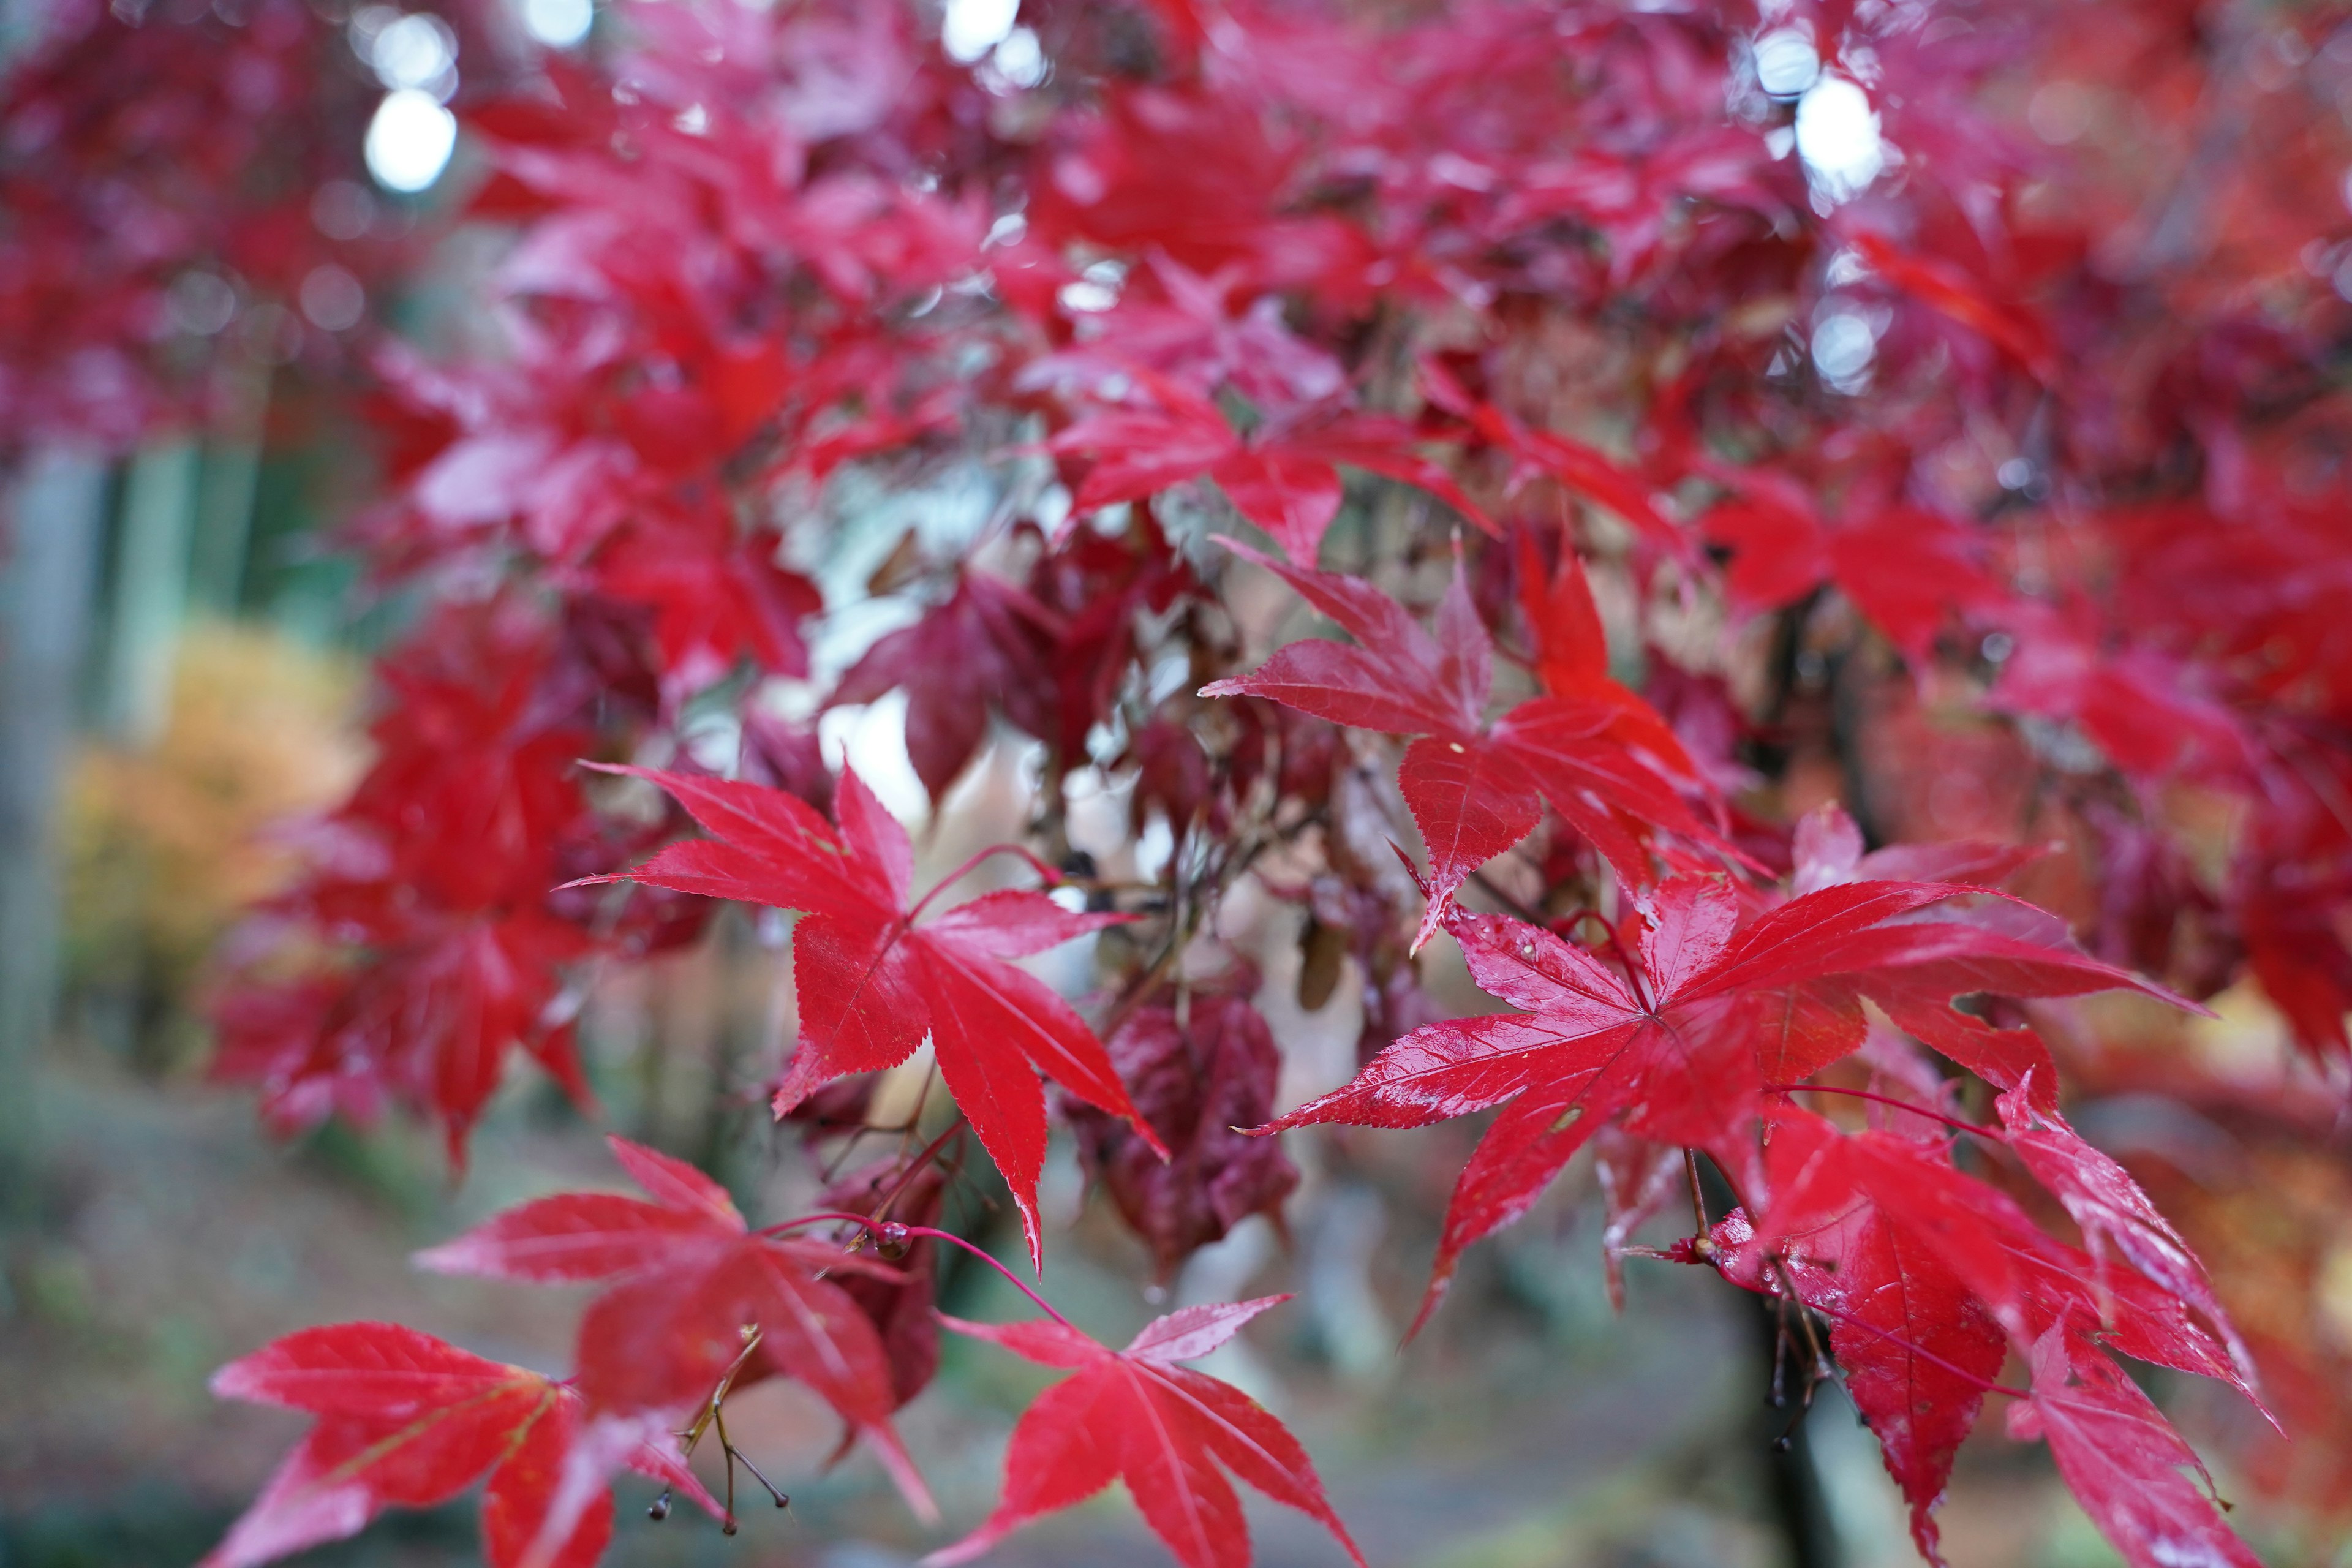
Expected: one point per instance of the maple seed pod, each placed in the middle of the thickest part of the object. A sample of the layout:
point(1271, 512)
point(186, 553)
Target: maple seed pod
point(658, 1510)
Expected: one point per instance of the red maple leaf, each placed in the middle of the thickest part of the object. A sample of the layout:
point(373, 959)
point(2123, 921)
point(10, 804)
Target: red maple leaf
point(407, 1421)
point(1581, 469)
point(902, 1306)
point(432, 1021)
point(1137, 1416)
point(2026, 1279)
point(1681, 1040)
point(1286, 480)
point(1930, 1278)
point(1608, 764)
point(872, 984)
point(715, 597)
point(2122, 1460)
point(1907, 570)
point(689, 1281)
point(1916, 1350)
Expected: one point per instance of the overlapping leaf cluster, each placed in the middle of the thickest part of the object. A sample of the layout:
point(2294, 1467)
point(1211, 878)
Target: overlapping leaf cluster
point(1662, 476)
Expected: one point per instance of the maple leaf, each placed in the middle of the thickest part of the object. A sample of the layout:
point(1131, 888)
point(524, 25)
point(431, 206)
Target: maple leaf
point(406, 1420)
point(715, 597)
point(2026, 1278)
point(1286, 480)
point(1190, 329)
point(2113, 1212)
point(1577, 467)
point(1196, 1076)
point(1680, 1044)
point(1137, 1415)
point(1607, 765)
point(872, 984)
point(688, 1279)
point(1928, 1278)
point(1947, 287)
point(2123, 1462)
point(432, 1021)
point(1827, 849)
point(1906, 569)
point(982, 650)
point(900, 1306)
point(1916, 1350)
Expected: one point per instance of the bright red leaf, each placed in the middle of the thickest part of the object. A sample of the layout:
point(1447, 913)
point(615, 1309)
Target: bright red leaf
point(872, 984)
point(1608, 764)
point(1169, 1432)
point(1678, 1045)
point(2123, 1462)
point(407, 1421)
point(1916, 1350)
point(1930, 1278)
point(689, 1282)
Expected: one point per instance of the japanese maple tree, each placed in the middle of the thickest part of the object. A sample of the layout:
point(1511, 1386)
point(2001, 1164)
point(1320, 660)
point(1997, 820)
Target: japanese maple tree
point(1816, 532)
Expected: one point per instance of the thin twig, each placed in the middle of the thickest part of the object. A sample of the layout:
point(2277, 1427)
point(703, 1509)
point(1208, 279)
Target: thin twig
point(1993, 1133)
point(877, 1229)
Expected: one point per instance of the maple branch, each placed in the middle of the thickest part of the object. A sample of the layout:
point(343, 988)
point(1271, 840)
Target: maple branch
point(1992, 1134)
point(892, 1230)
point(1920, 1350)
point(1514, 906)
point(1052, 877)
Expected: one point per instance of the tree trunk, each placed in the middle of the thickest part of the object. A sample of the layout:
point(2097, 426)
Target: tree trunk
point(46, 578)
point(150, 590)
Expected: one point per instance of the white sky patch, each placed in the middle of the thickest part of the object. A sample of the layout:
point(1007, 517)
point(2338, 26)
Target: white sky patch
point(1845, 343)
point(410, 140)
point(1020, 60)
point(972, 28)
point(1837, 136)
point(558, 24)
point(1786, 64)
point(416, 51)
point(872, 739)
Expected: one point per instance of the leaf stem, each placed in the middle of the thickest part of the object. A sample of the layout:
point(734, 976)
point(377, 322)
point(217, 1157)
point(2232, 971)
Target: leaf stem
point(878, 1229)
point(915, 1166)
point(1051, 875)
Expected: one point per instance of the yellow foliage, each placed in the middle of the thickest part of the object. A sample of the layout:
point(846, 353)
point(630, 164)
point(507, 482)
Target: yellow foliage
point(163, 847)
